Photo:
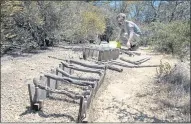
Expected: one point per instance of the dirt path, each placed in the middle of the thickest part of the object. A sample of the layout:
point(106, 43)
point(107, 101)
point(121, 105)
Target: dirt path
point(124, 97)
point(16, 73)
point(129, 96)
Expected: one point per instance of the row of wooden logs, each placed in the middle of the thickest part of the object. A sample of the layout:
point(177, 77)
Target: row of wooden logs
point(111, 65)
point(48, 83)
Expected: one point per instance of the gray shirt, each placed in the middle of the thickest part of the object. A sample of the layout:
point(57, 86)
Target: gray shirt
point(125, 30)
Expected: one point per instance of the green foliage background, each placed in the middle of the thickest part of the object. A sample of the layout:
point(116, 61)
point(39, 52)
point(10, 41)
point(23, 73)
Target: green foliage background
point(27, 25)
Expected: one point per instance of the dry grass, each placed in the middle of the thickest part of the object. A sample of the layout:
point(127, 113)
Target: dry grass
point(174, 90)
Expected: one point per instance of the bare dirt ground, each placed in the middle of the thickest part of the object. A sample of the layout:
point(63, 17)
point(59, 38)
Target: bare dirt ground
point(129, 96)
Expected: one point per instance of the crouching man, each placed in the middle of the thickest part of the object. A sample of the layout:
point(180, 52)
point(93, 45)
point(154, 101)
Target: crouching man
point(129, 32)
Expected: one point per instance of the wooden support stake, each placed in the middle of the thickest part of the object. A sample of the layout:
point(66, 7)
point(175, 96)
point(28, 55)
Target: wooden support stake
point(48, 84)
point(79, 120)
point(56, 85)
point(31, 90)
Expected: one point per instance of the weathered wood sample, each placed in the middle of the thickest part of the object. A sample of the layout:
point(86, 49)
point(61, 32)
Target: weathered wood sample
point(100, 53)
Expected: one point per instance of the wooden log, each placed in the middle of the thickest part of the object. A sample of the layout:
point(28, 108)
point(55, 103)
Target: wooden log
point(130, 66)
point(40, 94)
point(99, 84)
point(52, 81)
point(31, 89)
point(136, 53)
point(87, 65)
point(85, 54)
point(110, 56)
point(73, 96)
point(84, 108)
point(128, 53)
point(116, 53)
point(89, 97)
point(113, 54)
point(101, 80)
point(80, 63)
point(43, 93)
point(48, 84)
point(61, 66)
point(100, 56)
point(69, 80)
point(91, 53)
point(80, 114)
point(76, 48)
point(66, 69)
point(144, 60)
point(123, 59)
point(104, 56)
point(135, 62)
point(107, 55)
point(81, 69)
point(37, 93)
point(36, 102)
point(75, 77)
point(56, 85)
point(96, 54)
point(111, 67)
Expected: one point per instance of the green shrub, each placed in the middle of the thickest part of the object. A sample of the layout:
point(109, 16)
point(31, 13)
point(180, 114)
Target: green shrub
point(93, 23)
point(174, 88)
point(179, 75)
point(172, 37)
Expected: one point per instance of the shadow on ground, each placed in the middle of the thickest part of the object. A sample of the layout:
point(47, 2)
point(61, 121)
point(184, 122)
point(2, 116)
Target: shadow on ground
point(139, 116)
point(42, 114)
point(126, 115)
point(18, 53)
point(64, 99)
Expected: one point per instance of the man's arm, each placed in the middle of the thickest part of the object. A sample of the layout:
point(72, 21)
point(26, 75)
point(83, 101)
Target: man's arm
point(131, 30)
point(131, 33)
